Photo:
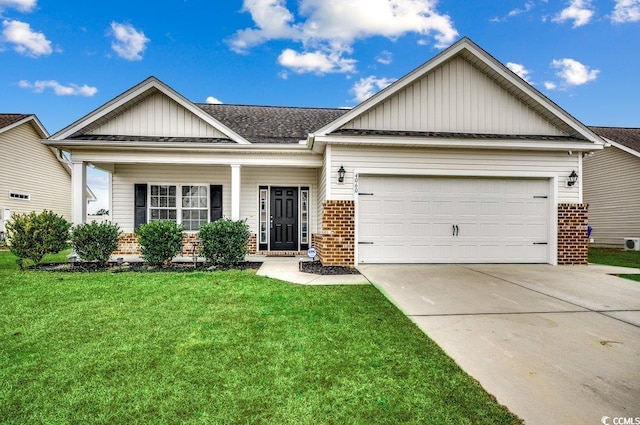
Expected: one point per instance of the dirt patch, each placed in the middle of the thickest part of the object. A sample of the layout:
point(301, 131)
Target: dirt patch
point(316, 267)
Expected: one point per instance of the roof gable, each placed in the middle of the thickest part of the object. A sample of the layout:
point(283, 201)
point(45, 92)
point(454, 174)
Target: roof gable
point(463, 91)
point(9, 121)
point(150, 109)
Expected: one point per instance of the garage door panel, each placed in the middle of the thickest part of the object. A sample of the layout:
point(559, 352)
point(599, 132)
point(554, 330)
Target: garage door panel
point(450, 220)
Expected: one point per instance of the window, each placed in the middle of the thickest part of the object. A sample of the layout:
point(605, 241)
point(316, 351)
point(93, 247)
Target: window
point(192, 199)
point(304, 216)
point(194, 207)
point(163, 203)
point(20, 196)
point(263, 215)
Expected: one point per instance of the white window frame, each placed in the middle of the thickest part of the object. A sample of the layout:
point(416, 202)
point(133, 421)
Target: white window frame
point(18, 196)
point(179, 208)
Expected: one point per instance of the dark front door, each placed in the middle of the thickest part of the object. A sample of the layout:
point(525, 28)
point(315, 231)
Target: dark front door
point(284, 218)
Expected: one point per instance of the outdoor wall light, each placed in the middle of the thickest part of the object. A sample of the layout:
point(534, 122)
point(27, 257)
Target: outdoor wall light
point(573, 178)
point(341, 172)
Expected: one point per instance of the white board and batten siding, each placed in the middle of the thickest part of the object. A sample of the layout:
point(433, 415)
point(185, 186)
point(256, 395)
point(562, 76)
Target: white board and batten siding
point(157, 115)
point(31, 168)
point(126, 176)
point(456, 98)
point(611, 189)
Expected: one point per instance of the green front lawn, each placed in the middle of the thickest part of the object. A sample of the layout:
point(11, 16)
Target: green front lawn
point(219, 348)
point(616, 257)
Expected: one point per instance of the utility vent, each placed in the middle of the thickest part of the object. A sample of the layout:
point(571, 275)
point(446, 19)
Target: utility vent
point(632, 244)
point(21, 196)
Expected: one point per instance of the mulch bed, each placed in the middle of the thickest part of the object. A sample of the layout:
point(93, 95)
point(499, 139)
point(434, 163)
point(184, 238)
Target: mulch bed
point(138, 267)
point(316, 267)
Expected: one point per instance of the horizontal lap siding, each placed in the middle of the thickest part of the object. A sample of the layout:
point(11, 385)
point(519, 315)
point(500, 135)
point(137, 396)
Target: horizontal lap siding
point(125, 176)
point(611, 189)
point(387, 160)
point(251, 178)
point(30, 167)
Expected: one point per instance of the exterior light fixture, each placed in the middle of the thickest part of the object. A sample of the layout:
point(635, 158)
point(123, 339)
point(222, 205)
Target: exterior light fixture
point(341, 172)
point(573, 178)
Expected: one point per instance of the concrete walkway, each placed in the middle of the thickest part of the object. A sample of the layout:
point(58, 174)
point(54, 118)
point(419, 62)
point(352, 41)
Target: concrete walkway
point(288, 269)
point(556, 345)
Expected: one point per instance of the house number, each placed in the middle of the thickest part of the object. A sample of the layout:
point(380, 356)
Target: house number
point(355, 183)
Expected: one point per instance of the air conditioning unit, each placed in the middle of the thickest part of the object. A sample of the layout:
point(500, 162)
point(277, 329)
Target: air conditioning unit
point(632, 244)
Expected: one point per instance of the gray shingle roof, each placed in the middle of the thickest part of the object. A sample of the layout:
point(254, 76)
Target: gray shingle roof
point(629, 137)
point(8, 119)
point(272, 124)
point(156, 139)
point(402, 133)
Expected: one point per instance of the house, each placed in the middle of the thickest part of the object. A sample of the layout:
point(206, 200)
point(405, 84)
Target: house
point(459, 161)
point(33, 177)
point(611, 187)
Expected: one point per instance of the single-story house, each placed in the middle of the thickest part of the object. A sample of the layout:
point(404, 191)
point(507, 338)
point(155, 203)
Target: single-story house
point(33, 177)
point(612, 187)
point(459, 161)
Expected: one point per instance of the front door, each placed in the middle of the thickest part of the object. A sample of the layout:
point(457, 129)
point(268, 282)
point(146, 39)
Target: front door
point(284, 219)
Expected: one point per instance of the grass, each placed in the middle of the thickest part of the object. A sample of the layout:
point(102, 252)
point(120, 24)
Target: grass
point(219, 348)
point(616, 257)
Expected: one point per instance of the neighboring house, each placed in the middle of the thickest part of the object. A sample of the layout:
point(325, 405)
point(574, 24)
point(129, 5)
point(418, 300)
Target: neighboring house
point(459, 161)
point(33, 177)
point(612, 187)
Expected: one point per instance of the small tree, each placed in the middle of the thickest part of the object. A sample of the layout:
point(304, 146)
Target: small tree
point(160, 241)
point(95, 241)
point(224, 242)
point(33, 235)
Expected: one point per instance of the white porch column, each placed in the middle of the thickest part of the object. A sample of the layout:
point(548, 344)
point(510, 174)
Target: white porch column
point(79, 193)
point(235, 192)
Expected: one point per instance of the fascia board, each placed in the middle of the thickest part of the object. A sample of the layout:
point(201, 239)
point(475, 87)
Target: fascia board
point(42, 132)
point(460, 143)
point(624, 148)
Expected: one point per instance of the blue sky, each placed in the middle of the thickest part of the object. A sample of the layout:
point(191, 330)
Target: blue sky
point(62, 59)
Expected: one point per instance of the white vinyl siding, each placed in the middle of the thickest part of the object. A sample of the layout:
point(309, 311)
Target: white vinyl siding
point(455, 97)
point(29, 167)
point(610, 180)
point(453, 162)
point(251, 178)
point(157, 115)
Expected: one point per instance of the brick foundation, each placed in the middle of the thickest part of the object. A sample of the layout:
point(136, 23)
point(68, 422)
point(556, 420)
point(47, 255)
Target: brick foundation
point(336, 243)
point(252, 245)
point(128, 244)
point(573, 244)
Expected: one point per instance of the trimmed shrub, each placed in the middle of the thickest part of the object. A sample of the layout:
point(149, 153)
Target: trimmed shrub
point(95, 241)
point(32, 235)
point(224, 242)
point(160, 241)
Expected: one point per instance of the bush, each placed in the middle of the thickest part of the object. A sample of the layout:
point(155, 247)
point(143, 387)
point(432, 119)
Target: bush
point(95, 241)
point(32, 235)
point(160, 241)
point(224, 242)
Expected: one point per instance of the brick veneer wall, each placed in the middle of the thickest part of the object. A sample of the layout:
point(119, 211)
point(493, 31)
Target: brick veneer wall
point(336, 243)
point(573, 244)
point(128, 244)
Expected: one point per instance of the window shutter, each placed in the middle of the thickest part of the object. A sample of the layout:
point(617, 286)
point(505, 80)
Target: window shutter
point(216, 201)
point(140, 204)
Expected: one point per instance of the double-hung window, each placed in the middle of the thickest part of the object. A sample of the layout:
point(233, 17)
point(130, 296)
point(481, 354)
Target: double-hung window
point(185, 204)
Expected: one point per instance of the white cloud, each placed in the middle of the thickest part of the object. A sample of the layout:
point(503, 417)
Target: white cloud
point(21, 5)
point(316, 62)
point(364, 88)
point(213, 100)
point(578, 11)
point(550, 85)
point(385, 57)
point(328, 28)
point(519, 70)
point(59, 89)
point(515, 12)
point(129, 43)
point(25, 40)
point(574, 73)
point(626, 11)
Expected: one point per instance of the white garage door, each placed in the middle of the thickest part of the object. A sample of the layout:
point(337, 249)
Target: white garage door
point(452, 220)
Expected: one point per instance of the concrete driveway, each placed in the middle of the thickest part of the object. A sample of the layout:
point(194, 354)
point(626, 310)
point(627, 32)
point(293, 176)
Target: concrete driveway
point(556, 345)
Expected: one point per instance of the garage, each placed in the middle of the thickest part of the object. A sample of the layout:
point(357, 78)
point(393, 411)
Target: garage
point(410, 219)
